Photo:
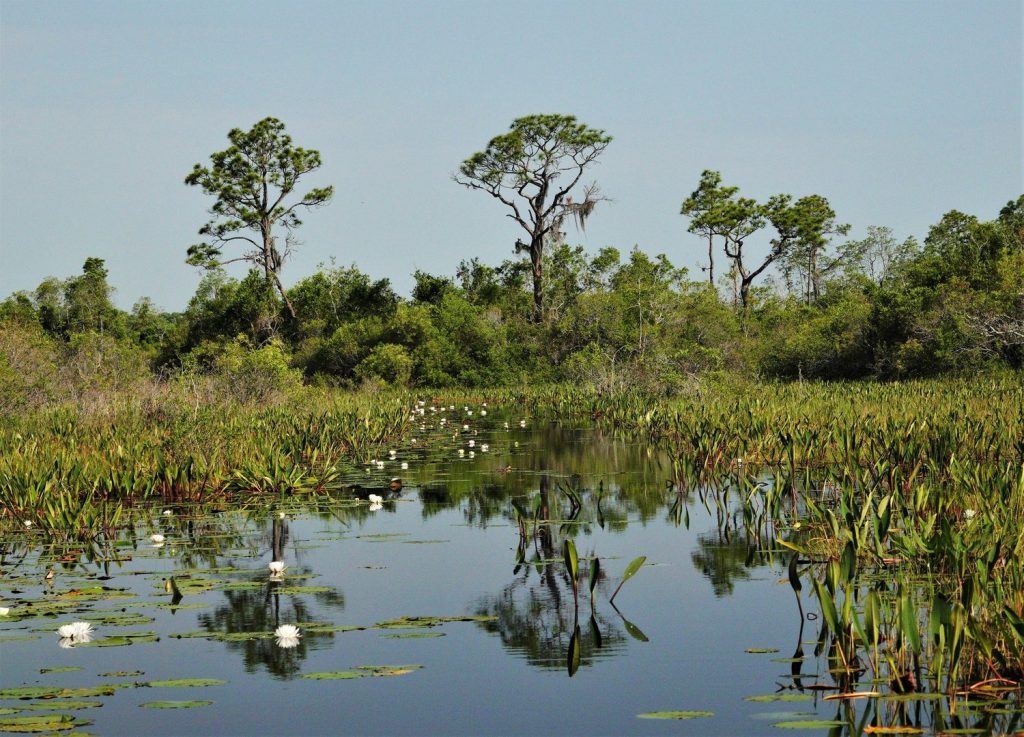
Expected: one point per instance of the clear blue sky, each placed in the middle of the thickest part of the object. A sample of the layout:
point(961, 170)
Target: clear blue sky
point(895, 111)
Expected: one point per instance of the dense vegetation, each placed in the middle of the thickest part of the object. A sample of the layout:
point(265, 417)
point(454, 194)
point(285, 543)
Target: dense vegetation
point(884, 310)
point(816, 306)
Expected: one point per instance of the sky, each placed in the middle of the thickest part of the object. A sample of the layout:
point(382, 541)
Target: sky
point(896, 111)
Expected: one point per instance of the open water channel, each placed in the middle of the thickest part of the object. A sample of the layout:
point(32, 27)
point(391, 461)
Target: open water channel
point(432, 612)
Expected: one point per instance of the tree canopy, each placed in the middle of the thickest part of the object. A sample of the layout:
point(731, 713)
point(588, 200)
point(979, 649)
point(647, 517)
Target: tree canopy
point(531, 170)
point(252, 181)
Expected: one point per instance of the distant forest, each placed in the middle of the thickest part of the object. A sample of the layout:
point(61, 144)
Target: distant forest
point(818, 306)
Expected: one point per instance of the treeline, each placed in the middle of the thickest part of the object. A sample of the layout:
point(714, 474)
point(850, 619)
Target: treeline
point(877, 307)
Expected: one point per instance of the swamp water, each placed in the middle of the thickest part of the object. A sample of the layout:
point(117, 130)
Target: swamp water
point(434, 612)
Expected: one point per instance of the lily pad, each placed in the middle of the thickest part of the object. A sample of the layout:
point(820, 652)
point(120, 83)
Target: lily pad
point(61, 669)
point(780, 697)
point(30, 692)
point(174, 704)
point(809, 724)
point(289, 590)
point(389, 670)
point(761, 650)
point(186, 682)
point(675, 714)
point(49, 706)
point(121, 674)
point(412, 635)
point(40, 723)
point(337, 675)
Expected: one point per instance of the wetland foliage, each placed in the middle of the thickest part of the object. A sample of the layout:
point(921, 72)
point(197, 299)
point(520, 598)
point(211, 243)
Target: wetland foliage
point(891, 513)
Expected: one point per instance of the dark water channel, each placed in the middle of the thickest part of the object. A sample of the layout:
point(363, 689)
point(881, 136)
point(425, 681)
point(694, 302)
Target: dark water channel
point(707, 623)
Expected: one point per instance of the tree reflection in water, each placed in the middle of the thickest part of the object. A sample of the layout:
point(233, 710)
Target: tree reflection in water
point(263, 610)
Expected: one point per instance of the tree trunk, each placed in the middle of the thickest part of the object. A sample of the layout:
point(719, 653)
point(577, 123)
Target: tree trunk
point(271, 264)
point(711, 260)
point(537, 260)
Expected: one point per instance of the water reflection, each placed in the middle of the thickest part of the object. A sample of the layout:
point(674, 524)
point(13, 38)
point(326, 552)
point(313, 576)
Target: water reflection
point(266, 609)
point(536, 614)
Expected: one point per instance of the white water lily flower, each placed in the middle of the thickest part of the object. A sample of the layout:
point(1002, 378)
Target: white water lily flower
point(380, 464)
point(167, 513)
point(472, 443)
point(472, 454)
point(465, 427)
point(287, 630)
point(28, 523)
point(4, 611)
point(375, 499)
point(483, 413)
point(78, 631)
point(276, 567)
point(405, 466)
point(376, 506)
point(287, 642)
point(462, 452)
point(522, 423)
point(969, 514)
point(484, 448)
point(157, 538)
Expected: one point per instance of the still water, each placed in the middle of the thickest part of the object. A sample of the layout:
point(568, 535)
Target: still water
point(708, 621)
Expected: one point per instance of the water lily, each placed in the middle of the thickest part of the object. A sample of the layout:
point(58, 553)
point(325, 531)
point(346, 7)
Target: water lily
point(28, 523)
point(522, 423)
point(76, 631)
point(483, 413)
point(276, 568)
point(484, 448)
point(167, 513)
point(472, 443)
point(157, 538)
point(376, 506)
point(287, 635)
point(462, 452)
point(380, 464)
point(376, 499)
point(4, 611)
point(405, 466)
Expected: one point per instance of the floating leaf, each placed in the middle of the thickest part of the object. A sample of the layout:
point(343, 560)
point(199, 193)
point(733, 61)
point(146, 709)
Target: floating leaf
point(780, 697)
point(872, 729)
point(40, 723)
point(809, 724)
point(61, 669)
point(389, 670)
point(761, 650)
point(186, 682)
point(121, 674)
point(174, 704)
point(411, 635)
point(30, 692)
point(675, 714)
point(48, 705)
point(337, 675)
